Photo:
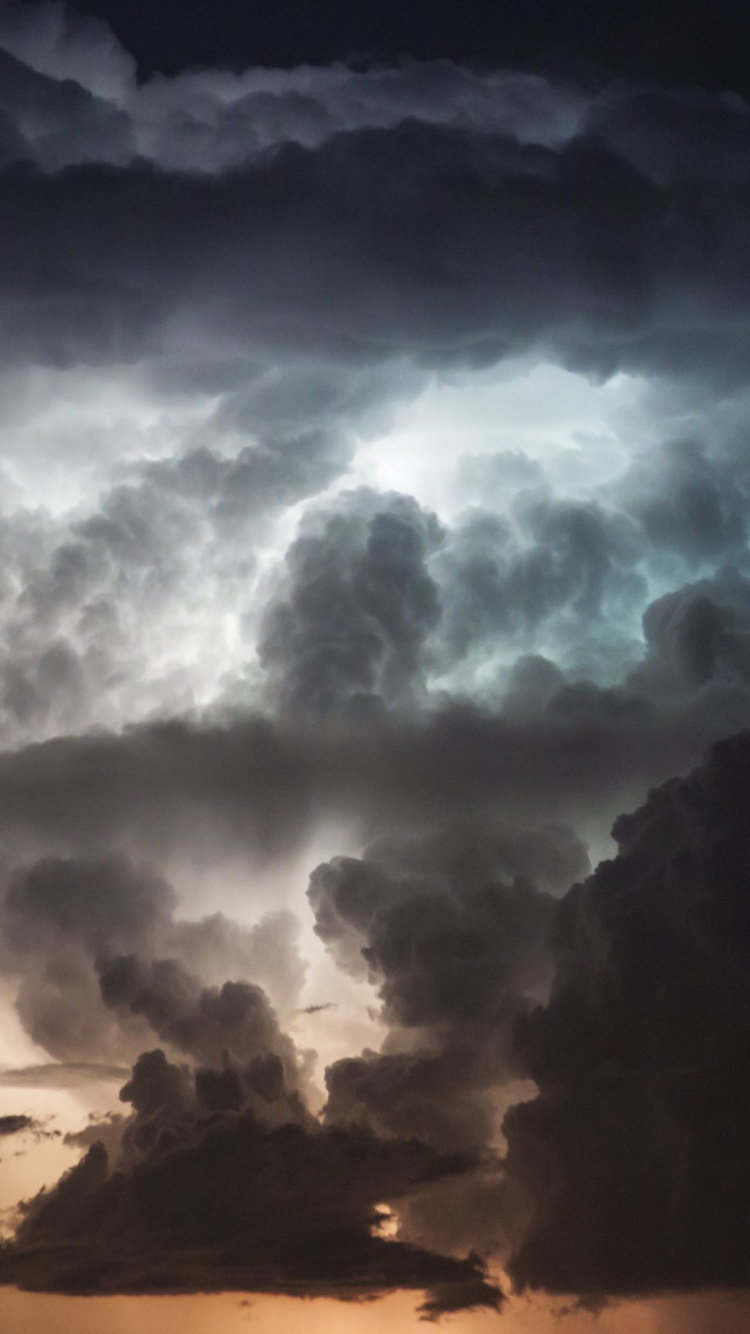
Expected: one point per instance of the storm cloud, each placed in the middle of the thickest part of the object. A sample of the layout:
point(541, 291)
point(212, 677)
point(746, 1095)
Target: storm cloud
point(633, 1152)
point(84, 942)
point(15, 1125)
point(374, 519)
point(170, 1217)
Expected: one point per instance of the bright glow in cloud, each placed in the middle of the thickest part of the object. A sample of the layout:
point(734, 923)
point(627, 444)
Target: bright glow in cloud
point(570, 425)
point(240, 383)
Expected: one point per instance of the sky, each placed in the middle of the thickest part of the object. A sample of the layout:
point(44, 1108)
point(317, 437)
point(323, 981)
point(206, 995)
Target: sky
point(375, 668)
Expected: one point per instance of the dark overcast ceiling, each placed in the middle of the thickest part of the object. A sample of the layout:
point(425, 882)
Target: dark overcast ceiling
point(669, 41)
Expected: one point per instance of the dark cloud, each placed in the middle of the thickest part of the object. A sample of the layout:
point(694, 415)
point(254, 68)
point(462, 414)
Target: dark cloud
point(202, 791)
point(62, 122)
point(67, 925)
point(697, 635)
point(674, 133)
point(56, 918)
point(20, 1124)
point(357, 897)
point(262, 265)
point(15, 1125)
point(304, 300)
point(106, 1130)
point(170, 1217)
point(210, 121)
point(208, 792)
point(690, 504)
point(82, 589)
point(358, 607)
point(203, 1022)
point(62, 1075)
point(258, 255)
point(571, 249)
point(634, 1152)
point(177, 37)
point(455, 947)
point(560, 570)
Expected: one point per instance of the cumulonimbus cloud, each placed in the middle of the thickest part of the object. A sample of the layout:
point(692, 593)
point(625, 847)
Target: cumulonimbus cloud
point(225, 642)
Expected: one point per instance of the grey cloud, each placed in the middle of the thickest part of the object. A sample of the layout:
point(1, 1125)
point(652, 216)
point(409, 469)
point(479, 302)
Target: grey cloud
point(633, 1153)
point(188, 527)
point(12, 143)
point(446, 1098)
point(552, 569)
point(671, 134)
point(63, 44)
point(55, 918)
point(209, 120)
point(532, 685)
point(99, 905)
point(697, 635)
point(268, 952)
point(516, 256)
point(256, 260)
point(59, 123)
point(15, 1125)
point(62, 1075)
point(204, 1022)
point(358, 608)
point(62, 918)
point(349, 894)
point(689, 503)
point(107, 1130)
point(169, 1217)
point(562, 242)
point(290, 254)
point(104, 605)
point(455, 947)
point(68, 623)
point(252, 786)
point(565, 573)
point(208, 124)
point(20, 1124)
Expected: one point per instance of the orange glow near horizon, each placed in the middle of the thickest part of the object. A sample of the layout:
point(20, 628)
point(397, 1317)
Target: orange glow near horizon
point(28, 1313)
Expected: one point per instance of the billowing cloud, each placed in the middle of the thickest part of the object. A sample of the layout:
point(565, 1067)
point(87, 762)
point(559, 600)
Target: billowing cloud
point(259, 630)
point(170, 1216)
point(634, 1153)
point(86, 939)
point(359, 607)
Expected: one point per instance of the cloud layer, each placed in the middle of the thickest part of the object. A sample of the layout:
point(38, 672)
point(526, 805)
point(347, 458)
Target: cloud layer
point(245, 646)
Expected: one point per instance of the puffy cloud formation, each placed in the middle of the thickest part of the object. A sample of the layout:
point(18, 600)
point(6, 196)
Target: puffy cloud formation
point(359, 606)
point(208, 379)
point(205, 1197)
point(569, 247)
point(453, 934)
point(633, 1152)
point(267, 609)
point(85, 940)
